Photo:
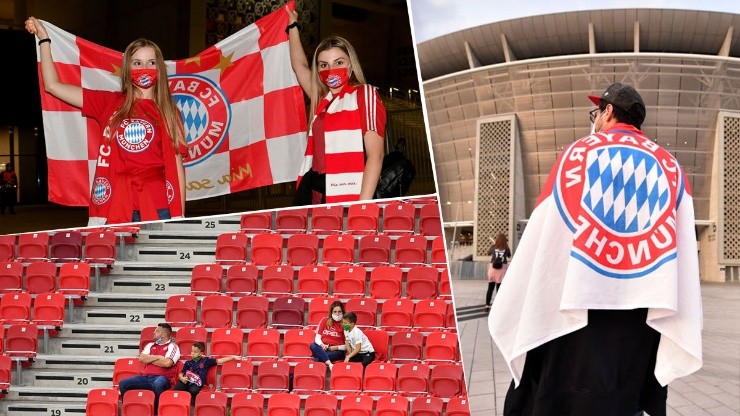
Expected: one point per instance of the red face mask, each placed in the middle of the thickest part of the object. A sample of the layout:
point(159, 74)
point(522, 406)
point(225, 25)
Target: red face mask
point(144, 78)
point(335, 77)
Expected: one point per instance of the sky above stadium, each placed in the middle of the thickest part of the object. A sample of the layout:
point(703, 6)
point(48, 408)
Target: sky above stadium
point(434, 18)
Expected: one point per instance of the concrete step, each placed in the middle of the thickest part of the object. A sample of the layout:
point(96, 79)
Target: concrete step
point(57, 394)
point(135, 316)
point(36, 406)
point(97, 332)
point(152, 269)
point(228, 223)
point(141, 286)
point(87, 347)
point(82, 362)
point(176, 253)
point(56, 379)
point(125, 300)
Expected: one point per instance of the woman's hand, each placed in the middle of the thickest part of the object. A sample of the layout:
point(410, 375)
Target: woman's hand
point(35, 27)
point(292, 15)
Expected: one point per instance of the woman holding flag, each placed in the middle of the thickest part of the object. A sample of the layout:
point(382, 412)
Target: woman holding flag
point(141, 176)
point(344, 155)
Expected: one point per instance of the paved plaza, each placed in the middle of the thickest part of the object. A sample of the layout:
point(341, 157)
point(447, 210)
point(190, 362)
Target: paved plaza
point(713, 390)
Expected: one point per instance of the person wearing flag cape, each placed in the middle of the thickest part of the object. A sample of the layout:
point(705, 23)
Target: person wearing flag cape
point(606, 311)
point(139, 173)
point(344, 153)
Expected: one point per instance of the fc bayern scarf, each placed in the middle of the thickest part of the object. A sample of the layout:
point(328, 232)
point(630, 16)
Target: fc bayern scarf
point(613, 229)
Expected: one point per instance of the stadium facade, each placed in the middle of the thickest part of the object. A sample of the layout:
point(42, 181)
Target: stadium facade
point(504, 99)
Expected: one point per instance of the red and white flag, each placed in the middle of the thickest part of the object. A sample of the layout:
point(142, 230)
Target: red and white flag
point(241, 105)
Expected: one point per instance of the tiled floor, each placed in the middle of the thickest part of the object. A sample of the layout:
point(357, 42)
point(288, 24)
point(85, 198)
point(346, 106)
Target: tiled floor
point(713, 390)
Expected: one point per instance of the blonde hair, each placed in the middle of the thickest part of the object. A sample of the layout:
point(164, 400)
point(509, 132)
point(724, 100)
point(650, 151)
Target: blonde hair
point(319, 90)
point(162, 96)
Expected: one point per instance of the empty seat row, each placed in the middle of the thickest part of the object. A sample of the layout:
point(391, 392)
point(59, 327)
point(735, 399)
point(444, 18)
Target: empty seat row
point(48, 309)
point(104, 402)
point(290, 312)
point(43, 277)
point(337, 249)
point(266, 344)
point(397, 218)
point(62, 246)
point(385, 282)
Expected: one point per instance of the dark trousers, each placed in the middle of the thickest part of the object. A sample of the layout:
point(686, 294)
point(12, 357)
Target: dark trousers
point(364, 357)
point(310, 182)
point(190, 388)
point(489, 293)
point(7, 199)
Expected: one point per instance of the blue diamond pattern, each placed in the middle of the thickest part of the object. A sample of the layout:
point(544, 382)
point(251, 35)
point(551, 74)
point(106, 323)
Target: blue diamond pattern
point(134, 133)
point(194, 116)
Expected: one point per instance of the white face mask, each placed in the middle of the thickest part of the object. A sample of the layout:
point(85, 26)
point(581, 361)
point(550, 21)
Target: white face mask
point(337, 317)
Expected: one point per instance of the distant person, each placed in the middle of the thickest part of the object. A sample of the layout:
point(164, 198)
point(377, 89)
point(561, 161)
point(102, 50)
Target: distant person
point(602, 306)
point(9, 186)
point(329, 345)
point(500, 255)
point(160, 365)
point(359, 349)
point(194, 373)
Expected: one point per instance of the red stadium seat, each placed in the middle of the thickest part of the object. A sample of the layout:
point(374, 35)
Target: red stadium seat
point(181, 310)
point(256, 222)
point(379, 379)
point(365, 309)
point(125, 368)
point(102, 402)
point(447, 380)
point(445, 288)
point(303, 250)
point(21, 341)
point(421, 283)
point(411, 250)
point(5, 370)
point(321, 405)
point(430, 314)
point(263, 344)
point(338, 249)
point(236, 376)
point(273, 376)
point(458, 406)
point(346, 378)
point(146, 336)
point(379, 339)
point(74, 279)
point(284, 404)
point(397, 314)
point(313, 281)
point(48, 309)
point(205, 279)
point(7, 247)
point(296, 345)
point(441, 347)
point(439, 258)
point(319, 308)
point(242, 280)
point(292, 221)
point(15, 308)
point(386, 282)
point(66, 246)
point(450, 317)
point(138, 403)
point(186, 337)
point(327, 220)
point(216, 311)
point(287, 312)
point(429, 222)
point(210, 403)
point(11, 277)
point(252, 312)
point(2, 337)
point(41, 277)
point(350, 281)
point(174, 403)
point(406, 347)
point(375, 250)
point(227, 341)
point(33, 247)
point(413, 379)
point(309, 377)
point(392, 406)
point(398, 218)
point(362, 219)
point(100, 247)
point(247, 404)
point(426, 406)
point(277, 281)
point(231, 248)
point(267, 249)
point(356, 405)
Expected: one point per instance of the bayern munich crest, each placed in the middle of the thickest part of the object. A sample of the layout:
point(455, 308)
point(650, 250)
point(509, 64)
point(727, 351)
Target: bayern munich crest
point(618, 194)
point(334, 80)
point(135, 135)
point(101, 190)
point(206, 114)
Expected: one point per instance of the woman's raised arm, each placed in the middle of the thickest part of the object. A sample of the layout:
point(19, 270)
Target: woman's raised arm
point(297, 56)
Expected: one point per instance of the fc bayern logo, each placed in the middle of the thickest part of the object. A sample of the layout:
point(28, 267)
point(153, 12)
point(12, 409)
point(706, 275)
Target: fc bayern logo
point(334, 80)
point(170, 192)
point(206, 114)
point(618, 194)
point(135, 135)
point(101, 190)
point(145, 80)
